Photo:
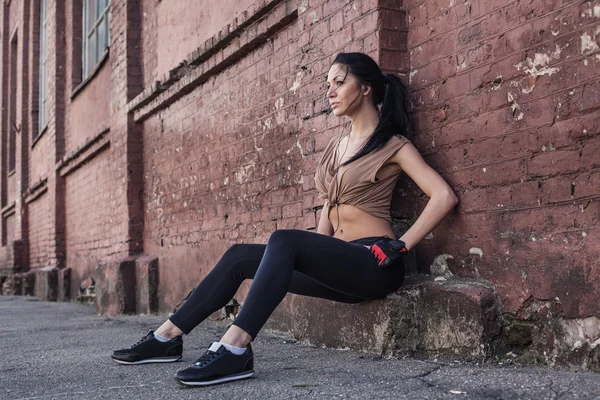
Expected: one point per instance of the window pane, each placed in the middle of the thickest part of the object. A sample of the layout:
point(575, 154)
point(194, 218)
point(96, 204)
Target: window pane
point(108, 27)
point(91, 51)
point(91, 17)
point(101, 34)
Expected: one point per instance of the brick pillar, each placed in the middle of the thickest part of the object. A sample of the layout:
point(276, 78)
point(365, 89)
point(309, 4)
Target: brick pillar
point(3, 106)
point(23, 134)
point(126, 153)
point(56, 113)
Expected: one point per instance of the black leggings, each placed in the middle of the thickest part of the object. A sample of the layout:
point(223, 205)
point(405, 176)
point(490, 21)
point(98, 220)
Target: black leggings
point(294, 261)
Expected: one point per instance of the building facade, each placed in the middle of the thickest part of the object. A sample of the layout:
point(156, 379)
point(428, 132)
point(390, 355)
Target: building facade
point(164, 131)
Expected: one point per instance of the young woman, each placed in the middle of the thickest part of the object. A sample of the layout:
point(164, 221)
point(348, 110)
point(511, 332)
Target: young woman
point(356, 177)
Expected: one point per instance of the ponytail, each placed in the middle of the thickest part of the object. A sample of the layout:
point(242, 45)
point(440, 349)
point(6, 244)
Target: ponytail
point(388, 91)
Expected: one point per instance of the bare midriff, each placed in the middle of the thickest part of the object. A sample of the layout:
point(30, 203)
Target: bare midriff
point(355, 223)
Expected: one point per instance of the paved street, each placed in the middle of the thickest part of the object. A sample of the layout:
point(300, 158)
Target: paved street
point(61, 351)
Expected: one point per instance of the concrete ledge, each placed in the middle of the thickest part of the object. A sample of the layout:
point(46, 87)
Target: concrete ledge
point(457, 318)
point(46, 284)
point(127, 286)
point(115, 287)
point(64, 284)
point(146, 280)
point(28, 283)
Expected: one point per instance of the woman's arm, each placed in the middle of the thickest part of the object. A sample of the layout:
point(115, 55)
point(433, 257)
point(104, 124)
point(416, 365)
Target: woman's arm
point(325, 226)
point(441, 197)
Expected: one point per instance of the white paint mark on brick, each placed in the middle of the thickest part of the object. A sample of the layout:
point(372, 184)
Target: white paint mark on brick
point(303, 6)
point(279, 103)
point(554, 33)
point(241, 174)
point(520, 116)
point(583, 234)
point(484, 170)
point(588, 43)
point(256, 146)
point(297, 82)
point(476, 251)
point(300, 147)
point(585, 62)
point(411, 74)
point(314, 15)
point(268, 124)
point(538, 66)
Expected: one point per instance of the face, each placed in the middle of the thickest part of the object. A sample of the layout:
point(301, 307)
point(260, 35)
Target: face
point(344, 91)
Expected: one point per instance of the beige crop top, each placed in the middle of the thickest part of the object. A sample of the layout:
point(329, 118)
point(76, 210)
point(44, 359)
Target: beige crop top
point(355, 184)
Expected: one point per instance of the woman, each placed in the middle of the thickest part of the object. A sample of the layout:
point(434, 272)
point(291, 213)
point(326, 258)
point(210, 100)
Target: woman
point(356, 177)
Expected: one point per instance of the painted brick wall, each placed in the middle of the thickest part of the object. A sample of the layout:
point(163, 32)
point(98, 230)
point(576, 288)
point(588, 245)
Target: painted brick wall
point(39, 237)
point(235, 159)
point(88, 233)
point(507, 100)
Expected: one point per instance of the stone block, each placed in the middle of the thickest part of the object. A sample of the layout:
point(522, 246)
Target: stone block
point(146, 289)
point(46, 284)
point(115, 287)
point(28, 283)
point(456, 318)
point(64, 284)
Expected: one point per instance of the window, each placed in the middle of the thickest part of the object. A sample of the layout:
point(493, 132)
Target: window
point(43, 78)
point(12, 137)
point(96, 33)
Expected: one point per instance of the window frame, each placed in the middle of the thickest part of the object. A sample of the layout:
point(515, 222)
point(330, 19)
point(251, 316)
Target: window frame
point(90, 34)
point(43, 70)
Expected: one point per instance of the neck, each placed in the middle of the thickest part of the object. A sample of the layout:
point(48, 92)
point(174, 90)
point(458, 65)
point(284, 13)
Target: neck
point(364, 123)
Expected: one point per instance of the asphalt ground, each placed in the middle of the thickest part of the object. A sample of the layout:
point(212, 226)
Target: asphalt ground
point(62, 351)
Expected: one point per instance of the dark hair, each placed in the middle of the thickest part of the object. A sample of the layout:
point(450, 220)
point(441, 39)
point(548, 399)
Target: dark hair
point(388, 90)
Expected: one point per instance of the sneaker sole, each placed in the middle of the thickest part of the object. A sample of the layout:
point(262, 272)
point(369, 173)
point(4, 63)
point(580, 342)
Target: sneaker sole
point(149, 360)
point(229, 378)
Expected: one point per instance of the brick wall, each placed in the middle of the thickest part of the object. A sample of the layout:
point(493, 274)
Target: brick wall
point(234, 159)
point(88, 233)
point(39, 238)
point(506, 100)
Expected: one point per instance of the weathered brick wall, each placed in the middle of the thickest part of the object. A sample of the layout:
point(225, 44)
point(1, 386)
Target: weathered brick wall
point(179, 31)
point(507, 99)
point(234, 160)
point(39, 238)
point(10, 189)
point(88, 237)
point(39, 165)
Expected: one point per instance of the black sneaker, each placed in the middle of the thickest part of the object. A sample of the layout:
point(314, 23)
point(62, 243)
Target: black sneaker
point(150, 350)
point(218, 365)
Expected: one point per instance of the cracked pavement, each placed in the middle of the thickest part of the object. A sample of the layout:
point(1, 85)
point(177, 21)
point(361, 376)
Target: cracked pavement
point(62, 350)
